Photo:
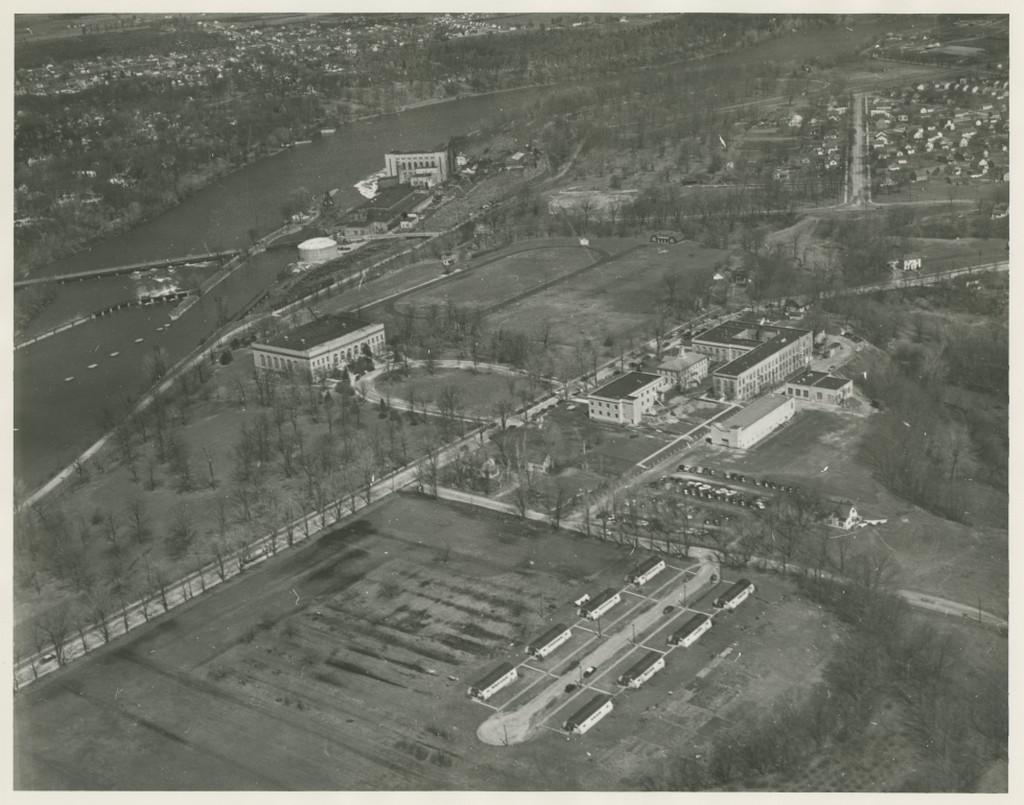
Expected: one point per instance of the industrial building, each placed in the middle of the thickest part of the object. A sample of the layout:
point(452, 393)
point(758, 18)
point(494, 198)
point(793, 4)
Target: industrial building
point(819, 387)
point(735, 595)
point(757, 356)
point(497, 679)
point(318, 250)
point(549, 641)
point(625, 399)
point(684, 371)
point(600, 604)
point(648, 666)
point(690, 632)
point(383, 212)
point(420, 168)
point(646, 571)
point(746, 428)
point(588, 715)
point(320, 346)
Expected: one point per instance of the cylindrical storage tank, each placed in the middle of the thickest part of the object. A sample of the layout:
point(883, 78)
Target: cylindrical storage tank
point(317, 250)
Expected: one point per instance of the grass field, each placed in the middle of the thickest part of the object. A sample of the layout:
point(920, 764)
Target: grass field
point(934, 555)
point(477, 391)
point(344, 665)
point(505, 277)
point(615, 299)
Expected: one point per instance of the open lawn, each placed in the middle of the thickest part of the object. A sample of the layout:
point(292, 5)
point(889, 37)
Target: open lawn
point(819, 450)
point(500, 279)
point(616, 299)
point(220, 511)
point(344, 665)
point(477, 391)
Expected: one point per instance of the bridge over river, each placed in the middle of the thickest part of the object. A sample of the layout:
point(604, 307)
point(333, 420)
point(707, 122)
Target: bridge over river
point(149, 265)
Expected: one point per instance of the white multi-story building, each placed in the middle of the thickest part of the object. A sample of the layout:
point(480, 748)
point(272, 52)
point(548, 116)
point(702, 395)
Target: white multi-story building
point(626, 399)
point(757, 356)
point(420, 168)
point(320, 346)
point(684, 371)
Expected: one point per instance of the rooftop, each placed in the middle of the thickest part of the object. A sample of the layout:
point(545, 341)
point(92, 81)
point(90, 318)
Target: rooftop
point(744, 333)
point(690, 626)
point(645, 662)
point(624, 387)
point(821, 380)
point(588, 709)
point(317, 332)
point(317, 243)
point(493, 676)
point(750, 359)
point(682, 362)
point(754, 412)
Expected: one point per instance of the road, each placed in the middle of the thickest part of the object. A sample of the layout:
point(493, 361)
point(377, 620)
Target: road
point(859, 180)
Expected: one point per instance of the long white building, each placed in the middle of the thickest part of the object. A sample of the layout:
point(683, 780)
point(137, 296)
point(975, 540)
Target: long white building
point(644, 669)
point(330, 342)
point(549, 641)
point(757, 356)
point(497, 679)
point(588, 715)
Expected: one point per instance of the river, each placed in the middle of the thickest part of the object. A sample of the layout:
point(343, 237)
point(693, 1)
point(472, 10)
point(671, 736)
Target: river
point(56, 420)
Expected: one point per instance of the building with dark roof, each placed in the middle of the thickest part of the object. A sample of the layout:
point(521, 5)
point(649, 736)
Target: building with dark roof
point(819, 387)
point(642, 670)
point(549, 641)
point(735, 595)
point(626, 398)
point(486, 687)
point(646, 570)
point(588, 715)
point(757, 356)
point(316, 348)
point(747, 427)
point(690, 631)
point(600, 604)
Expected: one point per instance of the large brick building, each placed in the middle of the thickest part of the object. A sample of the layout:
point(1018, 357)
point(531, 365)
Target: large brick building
point(316, 348)
point(757, 356)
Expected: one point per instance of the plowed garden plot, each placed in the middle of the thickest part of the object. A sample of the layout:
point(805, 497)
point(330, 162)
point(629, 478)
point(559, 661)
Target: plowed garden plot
point(344, 665)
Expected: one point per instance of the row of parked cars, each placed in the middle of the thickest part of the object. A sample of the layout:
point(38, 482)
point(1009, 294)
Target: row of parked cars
point(722, 494)
point(738, 477)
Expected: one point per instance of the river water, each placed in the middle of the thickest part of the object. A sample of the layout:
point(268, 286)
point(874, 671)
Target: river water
point(55, 420)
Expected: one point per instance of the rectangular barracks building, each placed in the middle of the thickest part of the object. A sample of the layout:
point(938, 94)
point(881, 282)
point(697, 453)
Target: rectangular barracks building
point(747, 427)
point(588, 715)
point(757, 356)
point(820, 388)
point(648, 666)
point(690, 633)
point(625, 399)
point(549, 641)
point(316, 348)
point(501, 676)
